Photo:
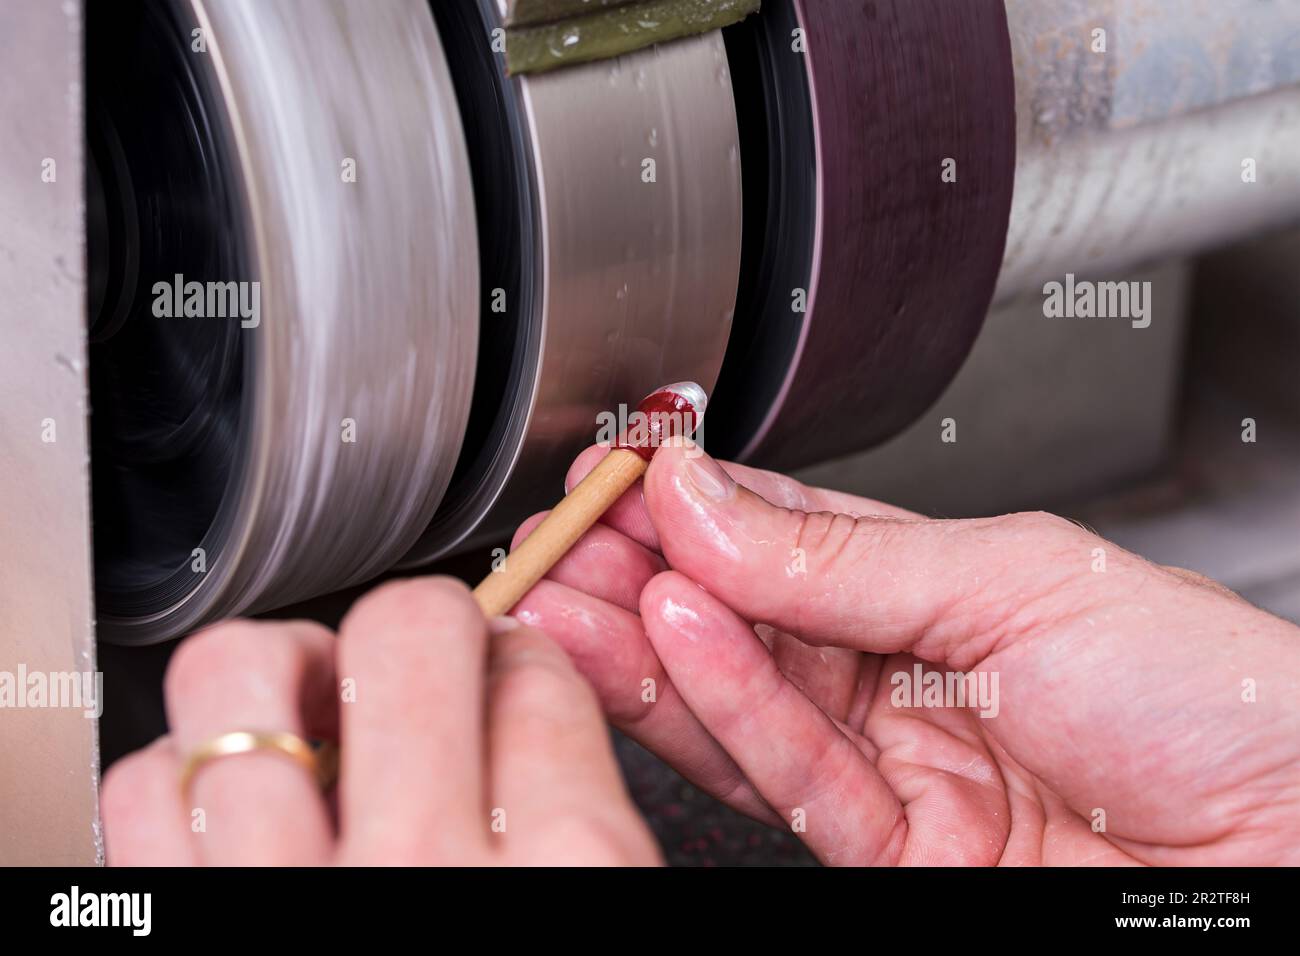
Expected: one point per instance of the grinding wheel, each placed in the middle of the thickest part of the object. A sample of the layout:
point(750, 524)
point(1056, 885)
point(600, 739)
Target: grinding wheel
point(863, 291)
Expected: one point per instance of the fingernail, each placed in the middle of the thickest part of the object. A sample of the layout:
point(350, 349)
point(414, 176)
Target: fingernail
point(708, 477)
point(500, 625)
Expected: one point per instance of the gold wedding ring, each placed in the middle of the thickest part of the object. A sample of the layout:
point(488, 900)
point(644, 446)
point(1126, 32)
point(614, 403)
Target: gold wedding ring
point(320, 759)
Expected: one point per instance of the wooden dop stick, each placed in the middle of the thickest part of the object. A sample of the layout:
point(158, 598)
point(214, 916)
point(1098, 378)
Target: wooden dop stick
point(672, 410)
point(559, 531)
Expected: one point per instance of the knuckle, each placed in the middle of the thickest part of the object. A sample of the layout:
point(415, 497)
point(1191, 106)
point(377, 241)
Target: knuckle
point(410, 604)
point(1043, 528)
point(825, 536)
point(213, 652)
point(1196, 579)
point(538, 683)
point(271, 649)
point(1047, 538)
point(534, 679)
point(528, 643)
point(1190, 576)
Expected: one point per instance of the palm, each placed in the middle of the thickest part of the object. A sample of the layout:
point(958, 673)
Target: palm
point(967, 802)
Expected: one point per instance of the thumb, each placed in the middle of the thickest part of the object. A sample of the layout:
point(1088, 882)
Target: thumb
point(946, 591)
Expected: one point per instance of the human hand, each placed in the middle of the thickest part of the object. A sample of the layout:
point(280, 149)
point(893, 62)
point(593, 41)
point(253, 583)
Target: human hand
point(1143, 714)
point(456, 748)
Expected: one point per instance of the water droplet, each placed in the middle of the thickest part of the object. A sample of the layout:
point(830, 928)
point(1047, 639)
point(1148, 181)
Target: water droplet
point(568, 40)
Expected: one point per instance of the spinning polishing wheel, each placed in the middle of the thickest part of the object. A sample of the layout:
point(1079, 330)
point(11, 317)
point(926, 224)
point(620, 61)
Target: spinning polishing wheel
point(432, 276)
point(311, 155)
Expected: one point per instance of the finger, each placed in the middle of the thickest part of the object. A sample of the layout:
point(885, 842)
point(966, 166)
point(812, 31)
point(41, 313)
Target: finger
point(607, 565)
point(828, 676)
point(609, 648)
point(629, 514)
point(604, 563)
point(259, 808)
point(805, 767)
point(145, 821)
point(411, 787)
point(1200, 580)
point(876, 584)
point(557, 795)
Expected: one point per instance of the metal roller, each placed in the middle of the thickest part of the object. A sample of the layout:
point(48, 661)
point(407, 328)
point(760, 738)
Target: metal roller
point(245, 463)
point(1133, 122)
point(609, 284)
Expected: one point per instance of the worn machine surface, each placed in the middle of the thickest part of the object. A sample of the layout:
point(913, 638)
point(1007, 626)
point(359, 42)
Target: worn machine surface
point(49, 756)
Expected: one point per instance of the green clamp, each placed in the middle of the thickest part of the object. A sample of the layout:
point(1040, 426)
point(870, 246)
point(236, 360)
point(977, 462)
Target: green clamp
point(546, 35)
